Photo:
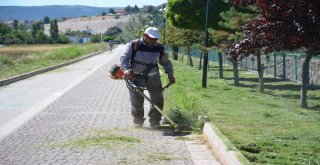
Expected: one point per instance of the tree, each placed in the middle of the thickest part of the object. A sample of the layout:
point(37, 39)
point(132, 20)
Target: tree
point(231, 19)
point(4, 30)
point(36, 27)
point(112, 11)
point(41, 38)
point(171, 40)
point(54, 30)
point(46, 20)
point(135, 9)
point(283, 25)
point(15, 24)
point(63, 39)
point(103, 13)
point(127, 9)
point(113, 31)
point(195, 11)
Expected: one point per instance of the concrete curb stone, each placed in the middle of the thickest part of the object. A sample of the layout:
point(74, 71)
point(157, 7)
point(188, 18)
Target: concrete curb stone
point(227, 153)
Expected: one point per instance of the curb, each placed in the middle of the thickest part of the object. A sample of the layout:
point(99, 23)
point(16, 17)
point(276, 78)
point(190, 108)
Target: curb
point(227, 153)
point(36, 72)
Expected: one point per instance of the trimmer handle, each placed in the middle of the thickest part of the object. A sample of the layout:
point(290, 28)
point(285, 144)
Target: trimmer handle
point(167, 86)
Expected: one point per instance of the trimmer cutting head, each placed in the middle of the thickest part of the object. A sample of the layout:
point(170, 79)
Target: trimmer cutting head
point(177, 129)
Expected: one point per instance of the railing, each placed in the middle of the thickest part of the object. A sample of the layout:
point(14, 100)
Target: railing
point(283, 65)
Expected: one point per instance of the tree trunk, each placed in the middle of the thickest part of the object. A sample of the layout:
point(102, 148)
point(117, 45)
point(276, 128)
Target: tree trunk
point(260, 73)
point(220, 65)
point(190, 58)
point(175, 51)
point(235, 72)
point(305, 79)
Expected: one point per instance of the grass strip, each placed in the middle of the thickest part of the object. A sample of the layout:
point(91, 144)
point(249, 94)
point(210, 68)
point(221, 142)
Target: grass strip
point(267, 128)
point(18, 60)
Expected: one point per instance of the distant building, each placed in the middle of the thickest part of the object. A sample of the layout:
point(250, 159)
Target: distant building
point(84, 40)
point(121, 12)
point(79, 40)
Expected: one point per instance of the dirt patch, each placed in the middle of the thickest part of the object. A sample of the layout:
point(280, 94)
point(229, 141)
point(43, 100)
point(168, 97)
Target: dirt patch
point(95, 24)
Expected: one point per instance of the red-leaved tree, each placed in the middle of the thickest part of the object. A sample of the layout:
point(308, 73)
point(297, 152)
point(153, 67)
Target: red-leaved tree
point(282, 25)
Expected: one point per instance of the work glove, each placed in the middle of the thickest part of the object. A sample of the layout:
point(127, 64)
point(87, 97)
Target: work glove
point(171, 79)
point(127, 74)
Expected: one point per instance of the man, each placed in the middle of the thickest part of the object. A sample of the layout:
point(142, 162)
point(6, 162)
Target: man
point(111, 43)
point(140, 65)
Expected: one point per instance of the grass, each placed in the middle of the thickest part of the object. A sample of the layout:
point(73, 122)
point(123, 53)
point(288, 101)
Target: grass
point(159, 157)
point(267, 128)
point(15, 60)
point(106, 139)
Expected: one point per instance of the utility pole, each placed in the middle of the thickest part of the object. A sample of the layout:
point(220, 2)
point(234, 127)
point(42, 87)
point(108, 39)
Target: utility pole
point(206, 45)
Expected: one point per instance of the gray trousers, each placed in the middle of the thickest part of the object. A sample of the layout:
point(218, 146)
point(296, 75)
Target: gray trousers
point(154, 87)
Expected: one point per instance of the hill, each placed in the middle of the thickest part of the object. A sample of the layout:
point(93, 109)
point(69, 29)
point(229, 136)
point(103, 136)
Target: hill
point(95, 24)
point(53, 11)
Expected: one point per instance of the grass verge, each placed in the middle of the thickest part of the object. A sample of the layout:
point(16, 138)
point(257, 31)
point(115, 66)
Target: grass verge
point(15, 60)
point(267, 128)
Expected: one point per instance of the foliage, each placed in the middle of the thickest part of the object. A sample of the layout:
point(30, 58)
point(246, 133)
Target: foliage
point(38, 26)
point(195, 11)
point(107, 38)
point(130, 9)
point(15, 24)
point(95, 38)
point(289, 25)
point(63, 39)
point(116, 16)
point(113, 31)
point(103, 13)
point(46, 20)
point(135, 27)
point(231, 19)
point(54, 30)
point(111, 10)
point(281, 26)
point(77, 33)
point(4, 29)
point(40, 37)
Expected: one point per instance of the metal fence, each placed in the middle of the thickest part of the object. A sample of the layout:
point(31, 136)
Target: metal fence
point(283, 65)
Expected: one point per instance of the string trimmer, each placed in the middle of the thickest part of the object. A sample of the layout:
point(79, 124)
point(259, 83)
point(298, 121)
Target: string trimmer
point(177, 128)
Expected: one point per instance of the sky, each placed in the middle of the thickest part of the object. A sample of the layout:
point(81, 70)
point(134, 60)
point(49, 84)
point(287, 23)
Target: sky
point(96, 3)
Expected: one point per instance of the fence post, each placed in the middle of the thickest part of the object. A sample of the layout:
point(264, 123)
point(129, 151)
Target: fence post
point(220, 65)
point(275, 65)
point(284, 66)
point(246, 66)
point(200, 62)
point(295, 68)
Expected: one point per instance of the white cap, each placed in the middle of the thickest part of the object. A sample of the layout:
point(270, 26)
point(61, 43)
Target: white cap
point(152, 32)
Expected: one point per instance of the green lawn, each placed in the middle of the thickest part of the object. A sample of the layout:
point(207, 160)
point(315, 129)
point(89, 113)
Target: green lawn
point(15, 60)
point(268, 128)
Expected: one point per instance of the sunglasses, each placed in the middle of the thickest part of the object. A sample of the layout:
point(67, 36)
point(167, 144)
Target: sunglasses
point(151, 39)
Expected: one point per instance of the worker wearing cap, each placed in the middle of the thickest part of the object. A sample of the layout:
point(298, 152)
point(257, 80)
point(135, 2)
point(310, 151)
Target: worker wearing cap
point(139, 63)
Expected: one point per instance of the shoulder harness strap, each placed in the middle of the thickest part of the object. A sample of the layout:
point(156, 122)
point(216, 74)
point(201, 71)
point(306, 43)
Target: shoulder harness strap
point(134, 47)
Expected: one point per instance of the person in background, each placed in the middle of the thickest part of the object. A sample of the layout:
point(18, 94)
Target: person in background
point(111, 43)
